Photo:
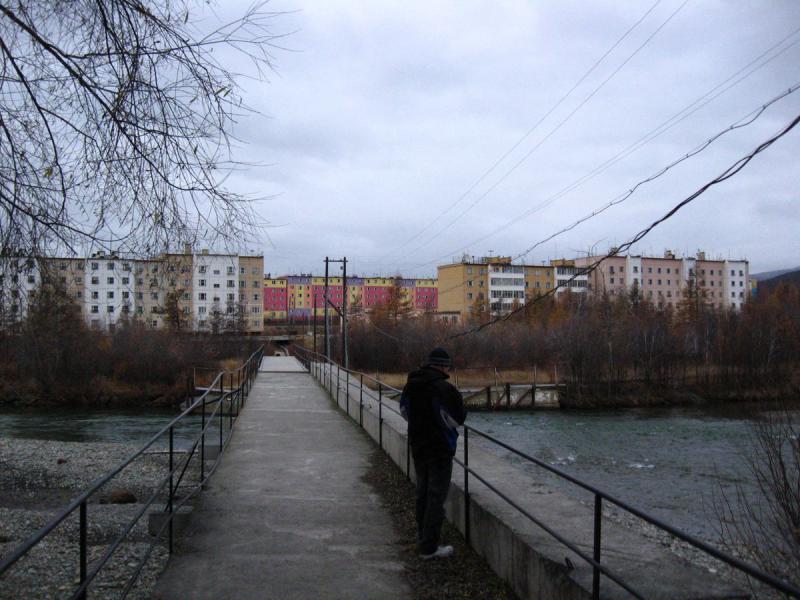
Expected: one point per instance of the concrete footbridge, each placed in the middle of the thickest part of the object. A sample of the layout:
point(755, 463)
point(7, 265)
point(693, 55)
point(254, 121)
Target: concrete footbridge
point(287, 515)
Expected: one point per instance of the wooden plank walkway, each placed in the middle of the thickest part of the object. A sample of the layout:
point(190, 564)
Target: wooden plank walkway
point(287, 514)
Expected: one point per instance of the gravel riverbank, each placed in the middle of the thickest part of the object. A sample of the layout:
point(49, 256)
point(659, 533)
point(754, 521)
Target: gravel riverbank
point(38, 478)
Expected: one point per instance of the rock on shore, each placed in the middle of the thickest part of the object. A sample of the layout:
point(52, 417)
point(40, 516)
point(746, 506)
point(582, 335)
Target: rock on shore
point(38, 478)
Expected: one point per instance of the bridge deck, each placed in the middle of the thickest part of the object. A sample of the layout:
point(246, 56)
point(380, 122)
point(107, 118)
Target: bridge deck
point(287, 514)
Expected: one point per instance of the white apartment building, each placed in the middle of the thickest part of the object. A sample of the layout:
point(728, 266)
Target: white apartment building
point(19, 277)
point(215, 288)
point(506, 286)
point(110, 290)
point(184, 291)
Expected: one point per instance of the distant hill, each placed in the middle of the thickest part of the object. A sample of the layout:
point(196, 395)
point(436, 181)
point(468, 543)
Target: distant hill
point(772, 274)
point(765, 286)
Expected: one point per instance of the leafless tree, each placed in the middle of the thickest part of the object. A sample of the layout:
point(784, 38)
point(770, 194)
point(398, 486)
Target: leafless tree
point(115, 123)
point(767, 531)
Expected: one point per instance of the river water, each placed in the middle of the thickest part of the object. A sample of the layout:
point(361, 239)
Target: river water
point(84, 425)
point(672, 463)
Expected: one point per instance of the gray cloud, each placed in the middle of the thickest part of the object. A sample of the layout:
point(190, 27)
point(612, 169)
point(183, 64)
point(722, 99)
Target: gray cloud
point(385, 113)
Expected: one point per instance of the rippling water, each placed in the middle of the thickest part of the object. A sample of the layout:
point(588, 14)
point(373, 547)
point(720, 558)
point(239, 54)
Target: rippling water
point(83, 425)
point(671, 463)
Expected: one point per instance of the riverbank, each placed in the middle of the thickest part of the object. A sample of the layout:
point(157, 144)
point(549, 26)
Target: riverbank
point(38, 478)
point(100, 392)
point(652, 395)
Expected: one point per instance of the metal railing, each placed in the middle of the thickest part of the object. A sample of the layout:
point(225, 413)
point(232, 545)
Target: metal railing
point(240, 382)
point(322, 367)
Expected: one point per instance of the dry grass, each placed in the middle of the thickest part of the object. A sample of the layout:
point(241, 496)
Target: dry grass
point(466, 378)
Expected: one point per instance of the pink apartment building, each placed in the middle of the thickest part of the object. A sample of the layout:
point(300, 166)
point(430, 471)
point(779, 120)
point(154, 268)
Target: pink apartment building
point(666, 280)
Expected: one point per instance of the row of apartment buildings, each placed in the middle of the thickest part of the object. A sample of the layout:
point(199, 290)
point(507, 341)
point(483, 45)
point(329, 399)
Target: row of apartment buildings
point(301, 297)
point(497, 285)
point(207, 291)
point(193, 291)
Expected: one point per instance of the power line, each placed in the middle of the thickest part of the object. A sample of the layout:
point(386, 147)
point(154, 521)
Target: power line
point(671, 122)
point(516, 165)
point(724, 176)
point(744, 121)
point(527, 133)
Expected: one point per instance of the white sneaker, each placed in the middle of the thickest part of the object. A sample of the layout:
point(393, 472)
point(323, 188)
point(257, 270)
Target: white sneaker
point(441, 552)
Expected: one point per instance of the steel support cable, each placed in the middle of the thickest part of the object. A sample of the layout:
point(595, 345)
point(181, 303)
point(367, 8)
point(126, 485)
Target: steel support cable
point(554, 130)
point(744, 121)
point(527, 134)
point(724, 176)
point(665, 126)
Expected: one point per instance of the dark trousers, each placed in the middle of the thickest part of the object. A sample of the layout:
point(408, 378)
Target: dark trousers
point(433, 482)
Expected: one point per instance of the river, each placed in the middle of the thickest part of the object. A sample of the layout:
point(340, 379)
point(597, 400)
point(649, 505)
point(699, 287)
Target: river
point(87, 425)
point(673, 463)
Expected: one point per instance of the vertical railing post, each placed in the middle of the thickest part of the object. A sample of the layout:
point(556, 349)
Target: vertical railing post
point(338, 372)
point(598, 515)
point(171, 483)
point(380, 415)
point(466, 484)
point(221, 409)
point(508, 395)
point(203, 439)
point(347, 391)
point(83, 547)
point(488, 396)
point(361, 401)
point(231, 396)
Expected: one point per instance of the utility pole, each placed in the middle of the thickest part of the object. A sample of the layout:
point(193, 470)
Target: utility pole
point(341, 311)
point(344, 312)
point(314, 314)
point(325, 309)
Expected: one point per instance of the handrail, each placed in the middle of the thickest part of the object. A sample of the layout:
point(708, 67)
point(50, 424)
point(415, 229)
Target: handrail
point(600, 495)
point(246, 373)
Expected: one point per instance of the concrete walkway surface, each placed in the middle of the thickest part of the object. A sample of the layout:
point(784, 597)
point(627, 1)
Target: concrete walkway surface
point(287, 514)
point(281, 364)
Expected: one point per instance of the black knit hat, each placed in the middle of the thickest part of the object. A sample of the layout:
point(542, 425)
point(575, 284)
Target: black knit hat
point(439, 357)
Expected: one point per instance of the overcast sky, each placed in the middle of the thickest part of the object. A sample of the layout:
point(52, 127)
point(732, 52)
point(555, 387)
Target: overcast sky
point(383, 124)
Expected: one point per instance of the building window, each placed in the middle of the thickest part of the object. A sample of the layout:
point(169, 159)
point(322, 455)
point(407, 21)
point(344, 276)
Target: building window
point(110, 280)
point(231, 271)
point(110, 266)
point(202, 283)
point(125, 295)
point(469, 283)
point(201, 310)
point(95, 280)
point(202, 296)
point(154, 295)
point(95, 295)
point(95, 266)
point(126, 280)
point(109, 294)
point(612, 280)
point(201, 269)
point(110, 308)
point(95, 308)
point(242, 283)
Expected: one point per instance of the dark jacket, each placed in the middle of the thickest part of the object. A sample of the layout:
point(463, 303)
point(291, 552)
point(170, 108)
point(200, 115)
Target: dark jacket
point(433, 408)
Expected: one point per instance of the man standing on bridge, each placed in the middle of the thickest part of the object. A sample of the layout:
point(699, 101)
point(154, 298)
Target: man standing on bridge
point(434, 409)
